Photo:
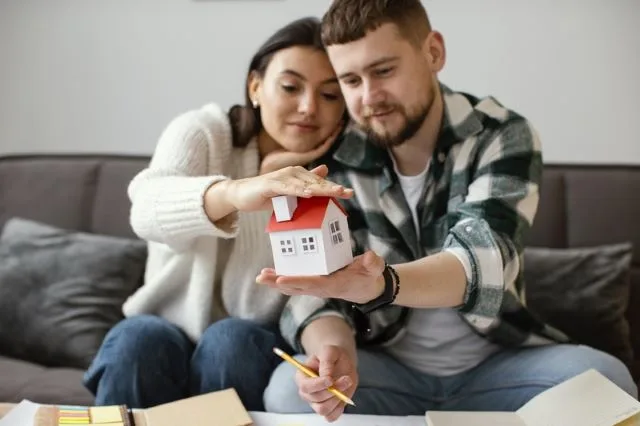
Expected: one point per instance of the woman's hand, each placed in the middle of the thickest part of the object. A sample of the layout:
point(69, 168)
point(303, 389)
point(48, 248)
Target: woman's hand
point(255, 193)
point(281, 158)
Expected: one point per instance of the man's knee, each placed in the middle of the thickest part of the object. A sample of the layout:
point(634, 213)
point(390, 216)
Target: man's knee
point(610, 367)
point(582, 358)
point(281, 395)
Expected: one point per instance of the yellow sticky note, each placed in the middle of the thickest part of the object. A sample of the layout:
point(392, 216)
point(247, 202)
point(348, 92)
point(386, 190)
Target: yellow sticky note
point(108, 414)
point(73, 420)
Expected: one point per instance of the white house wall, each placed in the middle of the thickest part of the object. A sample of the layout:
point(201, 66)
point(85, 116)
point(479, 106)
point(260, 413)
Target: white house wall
point(342, 254)
point(299, 263)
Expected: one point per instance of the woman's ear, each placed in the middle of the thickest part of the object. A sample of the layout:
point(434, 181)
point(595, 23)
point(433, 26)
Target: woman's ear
point(253, 88)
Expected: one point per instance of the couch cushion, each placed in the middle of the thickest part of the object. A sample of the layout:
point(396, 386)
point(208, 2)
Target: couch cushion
point(61, 291)
point(583, 292)
point(23, 380)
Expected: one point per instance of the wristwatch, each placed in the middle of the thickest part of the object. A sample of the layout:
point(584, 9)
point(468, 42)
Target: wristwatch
point(388, 296)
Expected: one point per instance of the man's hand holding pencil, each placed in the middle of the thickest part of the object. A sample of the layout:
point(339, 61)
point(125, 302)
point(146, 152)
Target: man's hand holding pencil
point(334, 384)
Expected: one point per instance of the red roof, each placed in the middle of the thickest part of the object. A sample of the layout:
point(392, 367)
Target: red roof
point(309, 214)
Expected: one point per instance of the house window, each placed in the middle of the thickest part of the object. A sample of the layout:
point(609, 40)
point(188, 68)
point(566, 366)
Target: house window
point(336, 233)
point(286, 247)
point(309, 244)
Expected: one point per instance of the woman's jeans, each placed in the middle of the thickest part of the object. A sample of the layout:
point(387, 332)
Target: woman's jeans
point(146, 360)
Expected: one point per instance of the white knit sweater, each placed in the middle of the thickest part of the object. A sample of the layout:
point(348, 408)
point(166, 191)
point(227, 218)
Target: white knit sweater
point(198, 273)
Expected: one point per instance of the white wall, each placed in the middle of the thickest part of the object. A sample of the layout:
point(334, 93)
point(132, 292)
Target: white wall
point(107, 76)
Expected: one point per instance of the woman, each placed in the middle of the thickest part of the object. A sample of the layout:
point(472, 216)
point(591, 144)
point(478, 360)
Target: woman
point(200, 323)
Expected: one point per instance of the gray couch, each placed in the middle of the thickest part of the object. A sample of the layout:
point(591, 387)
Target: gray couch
point(580, 206)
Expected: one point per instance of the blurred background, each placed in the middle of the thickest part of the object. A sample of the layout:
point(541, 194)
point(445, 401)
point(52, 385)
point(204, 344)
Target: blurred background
point(89, 76)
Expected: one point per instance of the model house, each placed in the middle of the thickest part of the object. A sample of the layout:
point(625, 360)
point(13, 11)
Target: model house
point(309, 236)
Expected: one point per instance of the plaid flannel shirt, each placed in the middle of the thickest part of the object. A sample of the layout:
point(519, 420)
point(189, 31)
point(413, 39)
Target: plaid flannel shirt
point(481, 195)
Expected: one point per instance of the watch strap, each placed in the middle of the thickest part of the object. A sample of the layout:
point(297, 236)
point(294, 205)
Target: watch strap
point(389, 294)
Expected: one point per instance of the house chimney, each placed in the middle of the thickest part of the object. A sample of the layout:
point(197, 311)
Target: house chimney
point(284, 206)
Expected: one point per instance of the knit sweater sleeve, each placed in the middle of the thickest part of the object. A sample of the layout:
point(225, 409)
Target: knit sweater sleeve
point(168, 196)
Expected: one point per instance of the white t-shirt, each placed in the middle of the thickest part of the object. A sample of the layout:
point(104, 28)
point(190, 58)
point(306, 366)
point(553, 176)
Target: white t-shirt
point(437, 341)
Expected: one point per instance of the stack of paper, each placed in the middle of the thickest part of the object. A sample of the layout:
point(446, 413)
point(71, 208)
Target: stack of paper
point(271, 419)
point(24, 414)
point(589, 399)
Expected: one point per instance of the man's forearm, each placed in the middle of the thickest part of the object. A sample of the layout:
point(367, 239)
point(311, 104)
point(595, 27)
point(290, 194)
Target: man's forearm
point(329, 330)
point(434, 281)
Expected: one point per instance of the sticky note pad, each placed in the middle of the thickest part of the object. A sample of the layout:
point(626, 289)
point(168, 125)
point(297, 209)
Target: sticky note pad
point(73, 416)
point(108, 414)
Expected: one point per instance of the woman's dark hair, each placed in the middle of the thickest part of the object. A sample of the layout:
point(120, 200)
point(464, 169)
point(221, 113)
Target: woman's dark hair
point(245, 119)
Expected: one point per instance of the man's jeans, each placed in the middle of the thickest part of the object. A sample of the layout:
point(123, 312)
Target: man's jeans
point(504, 382)
point(145, 361)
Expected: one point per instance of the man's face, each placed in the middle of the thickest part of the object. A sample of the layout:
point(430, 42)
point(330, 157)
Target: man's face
point(387, 82)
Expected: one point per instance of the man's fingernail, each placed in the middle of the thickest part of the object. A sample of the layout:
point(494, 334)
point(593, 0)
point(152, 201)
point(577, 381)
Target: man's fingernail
point(327, 382)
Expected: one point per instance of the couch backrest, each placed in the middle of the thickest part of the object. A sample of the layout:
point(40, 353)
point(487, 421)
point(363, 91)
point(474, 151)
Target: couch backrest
point(84, 193)
point(580, 205)
point(585, 206)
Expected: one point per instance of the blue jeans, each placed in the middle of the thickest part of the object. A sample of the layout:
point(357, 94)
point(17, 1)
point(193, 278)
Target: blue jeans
point(503, 382)
point(145, 361)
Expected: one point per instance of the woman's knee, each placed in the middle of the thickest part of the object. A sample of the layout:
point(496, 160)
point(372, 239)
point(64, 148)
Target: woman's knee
point(281, 395)
point(234, 353)
point(139, 336)
point(140, 346)
point(229, 337)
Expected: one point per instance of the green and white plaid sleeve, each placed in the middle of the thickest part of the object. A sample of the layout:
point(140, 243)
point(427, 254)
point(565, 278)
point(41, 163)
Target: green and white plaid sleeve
point(500, 206)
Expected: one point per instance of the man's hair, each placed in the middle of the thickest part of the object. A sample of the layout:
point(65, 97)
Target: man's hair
point(351, 20)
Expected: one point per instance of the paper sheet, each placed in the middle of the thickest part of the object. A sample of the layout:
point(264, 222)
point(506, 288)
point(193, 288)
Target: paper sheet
point(273, 419)
point(225, 407)
point(463, 418)
point(588, 399)
point(23, 414)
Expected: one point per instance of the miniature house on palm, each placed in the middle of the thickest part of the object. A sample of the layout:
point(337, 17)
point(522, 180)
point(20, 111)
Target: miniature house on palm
point(309, 236)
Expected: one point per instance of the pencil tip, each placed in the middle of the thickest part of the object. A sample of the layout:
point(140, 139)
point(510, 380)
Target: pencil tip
point(278, 351)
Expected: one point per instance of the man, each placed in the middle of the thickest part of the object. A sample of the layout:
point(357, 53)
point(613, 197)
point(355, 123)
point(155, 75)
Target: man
point(446, 185)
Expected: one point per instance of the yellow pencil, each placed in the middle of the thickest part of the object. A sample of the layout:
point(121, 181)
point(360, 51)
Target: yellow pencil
point(282, 354)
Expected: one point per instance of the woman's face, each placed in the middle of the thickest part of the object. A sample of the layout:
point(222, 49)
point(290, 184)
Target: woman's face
point(299, 98)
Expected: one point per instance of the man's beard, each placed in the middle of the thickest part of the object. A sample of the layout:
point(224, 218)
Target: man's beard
point(412, 123)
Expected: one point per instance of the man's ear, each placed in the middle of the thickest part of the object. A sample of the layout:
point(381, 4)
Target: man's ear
point(253, 87)
point(434, 51)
